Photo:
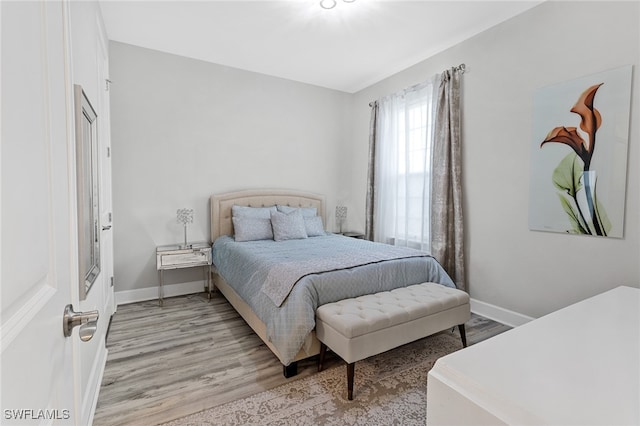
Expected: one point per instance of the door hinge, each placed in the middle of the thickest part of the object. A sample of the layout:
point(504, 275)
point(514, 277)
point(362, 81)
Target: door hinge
point(107, 83)
point(111, 281)
point(108, 151)
point(109, 217)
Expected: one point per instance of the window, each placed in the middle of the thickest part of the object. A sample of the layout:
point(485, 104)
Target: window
point(406, 124)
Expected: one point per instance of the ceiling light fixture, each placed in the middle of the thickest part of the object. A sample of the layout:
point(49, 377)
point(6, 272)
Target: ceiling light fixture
point(330, 4)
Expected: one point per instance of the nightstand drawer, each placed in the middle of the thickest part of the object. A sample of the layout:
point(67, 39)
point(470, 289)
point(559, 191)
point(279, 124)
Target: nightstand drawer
point(183, 260)
point(174, 257)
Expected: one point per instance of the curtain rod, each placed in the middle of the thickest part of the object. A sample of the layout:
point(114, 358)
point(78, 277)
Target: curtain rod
point(461, 68)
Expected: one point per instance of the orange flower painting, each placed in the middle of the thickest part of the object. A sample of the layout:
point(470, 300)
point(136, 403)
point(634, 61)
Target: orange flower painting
point(590, 123)
point(589, 218)
point(584, 179)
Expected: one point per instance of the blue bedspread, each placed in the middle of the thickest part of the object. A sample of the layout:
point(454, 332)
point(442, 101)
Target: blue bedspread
point(246, 266)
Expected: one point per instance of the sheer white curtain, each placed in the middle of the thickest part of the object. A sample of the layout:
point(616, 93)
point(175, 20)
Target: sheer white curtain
point(404, 129)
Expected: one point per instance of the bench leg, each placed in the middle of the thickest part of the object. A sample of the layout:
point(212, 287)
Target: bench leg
point(350, 373)
point(323, 351)
point(463, 335)
point(290, 370)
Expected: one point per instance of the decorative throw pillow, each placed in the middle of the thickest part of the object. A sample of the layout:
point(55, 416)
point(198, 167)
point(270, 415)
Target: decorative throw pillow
point(306, 211)
point(252, 229)
point(288, 226)
point(314, 226)
point(254, 212)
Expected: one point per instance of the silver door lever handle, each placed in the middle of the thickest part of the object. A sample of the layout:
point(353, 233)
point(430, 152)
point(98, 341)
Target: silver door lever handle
point(88, 322)
point(106, 228)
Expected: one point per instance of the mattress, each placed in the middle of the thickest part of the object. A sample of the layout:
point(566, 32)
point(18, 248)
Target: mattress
point(250, 267)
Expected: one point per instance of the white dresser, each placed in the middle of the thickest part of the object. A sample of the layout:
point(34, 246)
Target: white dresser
point(576, 366)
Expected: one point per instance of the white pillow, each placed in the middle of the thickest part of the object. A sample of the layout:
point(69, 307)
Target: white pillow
point(254, 212)
point(314, 226)
point(288, 226)
point(252, 229)
point(306, 211)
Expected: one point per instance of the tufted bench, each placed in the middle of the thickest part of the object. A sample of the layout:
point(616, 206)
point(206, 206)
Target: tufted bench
point(364, 326)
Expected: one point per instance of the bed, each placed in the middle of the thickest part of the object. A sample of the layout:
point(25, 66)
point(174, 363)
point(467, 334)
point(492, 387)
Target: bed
point(276, 284)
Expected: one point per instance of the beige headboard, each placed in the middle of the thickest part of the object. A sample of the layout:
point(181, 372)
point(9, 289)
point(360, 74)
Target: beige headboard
point(221, 223)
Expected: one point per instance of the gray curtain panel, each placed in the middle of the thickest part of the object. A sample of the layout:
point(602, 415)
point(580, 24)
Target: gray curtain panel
point(369, 213)
point(447, 228)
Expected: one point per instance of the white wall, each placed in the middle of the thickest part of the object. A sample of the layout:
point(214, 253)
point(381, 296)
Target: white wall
point(183, 129)
point(531, 273)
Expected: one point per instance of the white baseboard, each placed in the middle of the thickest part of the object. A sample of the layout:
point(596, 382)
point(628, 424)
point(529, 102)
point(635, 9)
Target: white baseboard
point(487, 310)
point(151, 293)
point(496, 313)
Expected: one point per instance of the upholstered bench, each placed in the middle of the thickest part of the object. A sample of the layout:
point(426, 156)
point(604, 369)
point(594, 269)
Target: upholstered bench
point(364, 326)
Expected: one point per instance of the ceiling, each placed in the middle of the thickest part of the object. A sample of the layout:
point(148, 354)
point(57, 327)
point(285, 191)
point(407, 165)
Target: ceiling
point(346, 48)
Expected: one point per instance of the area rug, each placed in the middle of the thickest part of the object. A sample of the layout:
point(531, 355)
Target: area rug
point(389, 389)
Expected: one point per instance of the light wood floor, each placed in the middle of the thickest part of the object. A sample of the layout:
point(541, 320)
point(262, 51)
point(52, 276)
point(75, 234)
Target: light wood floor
point(193, 354)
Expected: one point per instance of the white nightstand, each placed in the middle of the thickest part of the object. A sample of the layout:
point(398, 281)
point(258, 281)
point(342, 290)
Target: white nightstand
point(176, 257)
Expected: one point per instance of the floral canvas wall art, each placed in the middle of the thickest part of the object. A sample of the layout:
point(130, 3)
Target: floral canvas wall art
point(579, 155)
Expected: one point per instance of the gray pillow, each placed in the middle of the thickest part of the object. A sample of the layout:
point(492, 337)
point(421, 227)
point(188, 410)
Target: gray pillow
point(288, 226)
point(252, 229)
point(314, 227)
point(306, 211)
point(254, 212)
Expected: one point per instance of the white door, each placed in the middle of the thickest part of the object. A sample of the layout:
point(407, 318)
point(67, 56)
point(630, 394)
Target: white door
point(38, 227)
point(106, 219)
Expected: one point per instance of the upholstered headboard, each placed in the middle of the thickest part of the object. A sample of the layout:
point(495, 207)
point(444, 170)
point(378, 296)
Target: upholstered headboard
point(221, 223)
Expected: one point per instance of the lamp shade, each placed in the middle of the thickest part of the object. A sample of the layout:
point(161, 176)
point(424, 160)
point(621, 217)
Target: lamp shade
point(184, 216)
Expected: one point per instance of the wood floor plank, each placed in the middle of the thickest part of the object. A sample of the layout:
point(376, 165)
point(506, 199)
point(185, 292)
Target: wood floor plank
point(192, 354)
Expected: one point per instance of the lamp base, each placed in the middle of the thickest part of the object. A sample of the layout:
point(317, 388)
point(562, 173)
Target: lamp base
point(185, 245)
